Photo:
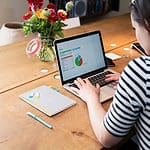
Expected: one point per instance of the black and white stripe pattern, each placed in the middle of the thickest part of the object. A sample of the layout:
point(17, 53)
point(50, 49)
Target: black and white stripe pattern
point(131, 103)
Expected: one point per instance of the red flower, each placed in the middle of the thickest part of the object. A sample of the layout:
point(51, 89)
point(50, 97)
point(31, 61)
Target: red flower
point(27, 16)
point(53, 18)
point(62, 15)
point(35, 4)
point(51, 6)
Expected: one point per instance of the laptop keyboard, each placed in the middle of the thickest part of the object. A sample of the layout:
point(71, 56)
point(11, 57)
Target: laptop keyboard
point(98, 78)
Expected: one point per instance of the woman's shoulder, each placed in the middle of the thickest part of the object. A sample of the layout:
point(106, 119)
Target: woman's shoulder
point(138, 67)
point(142, 62)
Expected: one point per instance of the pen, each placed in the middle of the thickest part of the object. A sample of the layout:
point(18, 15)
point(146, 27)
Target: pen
point(39, 119)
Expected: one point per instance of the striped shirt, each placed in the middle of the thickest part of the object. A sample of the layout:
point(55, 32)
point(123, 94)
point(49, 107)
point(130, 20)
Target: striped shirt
point(131, 103)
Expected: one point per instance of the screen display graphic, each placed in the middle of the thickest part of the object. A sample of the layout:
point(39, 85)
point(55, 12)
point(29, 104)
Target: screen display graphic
point(79, 56)
point(78, 60)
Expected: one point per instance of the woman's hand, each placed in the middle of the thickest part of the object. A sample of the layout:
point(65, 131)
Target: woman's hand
point(112, 77)
point(86, 90)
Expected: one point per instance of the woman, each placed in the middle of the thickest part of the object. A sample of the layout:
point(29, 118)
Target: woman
point(131, 102)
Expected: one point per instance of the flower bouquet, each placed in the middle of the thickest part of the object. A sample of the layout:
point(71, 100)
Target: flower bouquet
point(47, 23)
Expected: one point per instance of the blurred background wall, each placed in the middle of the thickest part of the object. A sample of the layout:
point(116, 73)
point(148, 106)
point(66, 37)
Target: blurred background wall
point(13, 10)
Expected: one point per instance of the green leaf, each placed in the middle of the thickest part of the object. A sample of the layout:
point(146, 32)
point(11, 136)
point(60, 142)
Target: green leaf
point(60, 34)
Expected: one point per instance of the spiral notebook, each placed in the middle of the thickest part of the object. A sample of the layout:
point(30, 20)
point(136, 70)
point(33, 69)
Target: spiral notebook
point(47, 100)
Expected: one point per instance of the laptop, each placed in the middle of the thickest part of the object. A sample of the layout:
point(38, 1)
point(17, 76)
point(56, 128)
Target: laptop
point(83, 56)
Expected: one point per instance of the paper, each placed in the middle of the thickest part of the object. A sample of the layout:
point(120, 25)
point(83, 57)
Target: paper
point(47, 100)
point(112, 56)
point(72, 23)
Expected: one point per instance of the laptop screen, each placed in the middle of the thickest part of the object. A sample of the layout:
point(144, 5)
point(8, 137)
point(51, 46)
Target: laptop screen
point(80, 55)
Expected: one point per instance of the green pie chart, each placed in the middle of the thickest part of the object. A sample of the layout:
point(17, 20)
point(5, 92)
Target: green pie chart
point(78, 60)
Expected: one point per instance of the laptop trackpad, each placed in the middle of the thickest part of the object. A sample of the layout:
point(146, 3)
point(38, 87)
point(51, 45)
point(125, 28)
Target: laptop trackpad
point(106, 93)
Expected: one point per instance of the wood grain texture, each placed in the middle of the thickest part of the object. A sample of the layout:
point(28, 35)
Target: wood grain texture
point(72, 129)
point(17, 68)
point(116, 30)
point(18, 131)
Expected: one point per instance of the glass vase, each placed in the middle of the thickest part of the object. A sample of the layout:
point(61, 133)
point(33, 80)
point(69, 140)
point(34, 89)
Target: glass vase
point(46, 52)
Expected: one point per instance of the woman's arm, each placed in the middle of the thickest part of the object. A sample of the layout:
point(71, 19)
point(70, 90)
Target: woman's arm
point(90, 94)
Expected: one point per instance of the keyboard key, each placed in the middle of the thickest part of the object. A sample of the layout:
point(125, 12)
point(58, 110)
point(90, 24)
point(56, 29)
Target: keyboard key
point(99, 78)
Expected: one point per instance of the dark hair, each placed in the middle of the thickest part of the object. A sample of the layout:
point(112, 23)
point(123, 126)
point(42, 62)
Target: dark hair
point(140, 11)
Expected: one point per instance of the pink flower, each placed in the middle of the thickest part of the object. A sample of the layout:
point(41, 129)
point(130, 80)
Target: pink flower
point(53, 16)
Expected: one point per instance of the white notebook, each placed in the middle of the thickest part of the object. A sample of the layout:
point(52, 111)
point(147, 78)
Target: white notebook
point(112, 56)
point(47, 100)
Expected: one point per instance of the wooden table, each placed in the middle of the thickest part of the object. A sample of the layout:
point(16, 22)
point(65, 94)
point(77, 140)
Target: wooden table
point(72, 129)
point(116, 30)
point(18, 69)
point(127, 54)
point(18, 131)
